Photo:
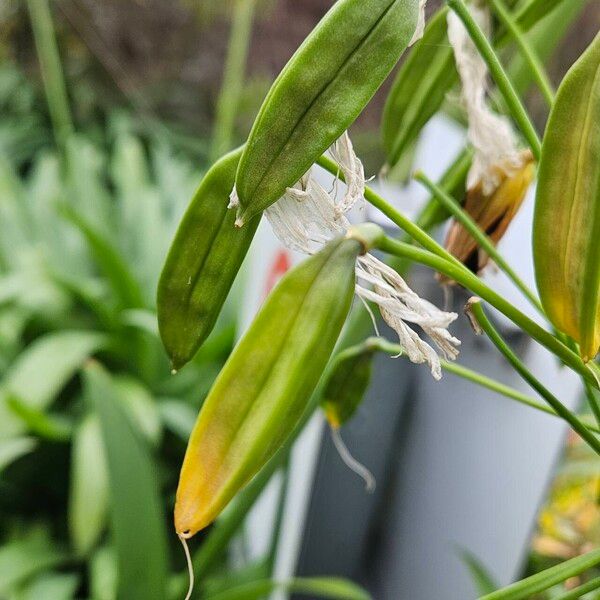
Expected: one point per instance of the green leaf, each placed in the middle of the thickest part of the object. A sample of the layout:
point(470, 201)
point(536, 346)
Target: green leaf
point(110, 261)
point(419, 88)
point(14, 448)
point(136, 512)
point(42, 370)
point(103, 574)
point(526, 588)
point(179, 417)
point(321, 587)
point(482, 578)
point(56, 428)
point(141, 407)
point(567, 212)
point(51, 586)
point(88, 498)
point(22, 559)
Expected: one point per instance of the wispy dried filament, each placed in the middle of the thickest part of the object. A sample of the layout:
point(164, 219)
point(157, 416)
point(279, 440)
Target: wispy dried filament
point(307, 216)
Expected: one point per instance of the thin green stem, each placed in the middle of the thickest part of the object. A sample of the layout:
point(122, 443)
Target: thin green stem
point(529, 54)
point(453, 207)
point(578, 592)
point(526, 588)
point(281, 502)
point(387, 347)
point(592, 400)
point(233, 77)
point(470, 281)
point(401, 220)
point(52, 74)
point(504, 84)
point(476, 308)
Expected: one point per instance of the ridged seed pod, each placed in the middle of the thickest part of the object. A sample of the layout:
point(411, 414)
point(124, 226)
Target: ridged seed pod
point(566, 232)
point(202, 264)
point(265, 385)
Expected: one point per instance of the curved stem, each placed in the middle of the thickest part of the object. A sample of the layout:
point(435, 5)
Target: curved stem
point(477, 311)
point(474, 284)
point(387, 347)
point(398, 218)
point(452, 206)
point(528, 53)
point(500, 77)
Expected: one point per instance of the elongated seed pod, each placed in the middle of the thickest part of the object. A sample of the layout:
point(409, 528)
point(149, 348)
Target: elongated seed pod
point(566, 230)
point(419, 88)
point(347, 384)
point(202, 263)
point(319, 93)
point(265, 385)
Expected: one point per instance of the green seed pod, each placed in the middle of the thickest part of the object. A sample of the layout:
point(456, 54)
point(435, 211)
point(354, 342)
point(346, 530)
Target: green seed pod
point(347, 384)
point(265, 385)
point(319, 93)
point(419, 88)
point(566, 227)
point(202, 264)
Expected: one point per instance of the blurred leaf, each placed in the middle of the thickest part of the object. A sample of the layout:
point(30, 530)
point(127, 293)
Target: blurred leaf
point(88, 499)
point(144, 320)
point(103, 574)
point(22, 559)
point(51, 586)
point(14, 448)
point(136, 513)
point(55, 428)
point(110, 261)
point(526, 588)
point(42, 370)
point(141, 407)
point(481, 577)
point(87, 184)
point(321, 587)
point(178, 417)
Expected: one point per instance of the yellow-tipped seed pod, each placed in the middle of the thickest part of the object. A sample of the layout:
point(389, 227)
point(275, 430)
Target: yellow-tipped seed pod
point(566, 231)
point(265, 385)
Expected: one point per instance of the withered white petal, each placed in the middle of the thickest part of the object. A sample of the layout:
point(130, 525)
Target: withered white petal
point(420, 23)
point(343, 153)
point(491, 134)
point(307, 216)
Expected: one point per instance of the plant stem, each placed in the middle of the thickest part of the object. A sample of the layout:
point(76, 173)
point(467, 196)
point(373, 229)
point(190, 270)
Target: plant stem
point(233, 77)
point(529, 55)
point(476, 308)
point(387, 347)
point(474, 284)
point(526, 588)
point(578, 592)
point(453, 207)
point(52, 74)
point(592, 400)
point(402, 221)
point(500, 77)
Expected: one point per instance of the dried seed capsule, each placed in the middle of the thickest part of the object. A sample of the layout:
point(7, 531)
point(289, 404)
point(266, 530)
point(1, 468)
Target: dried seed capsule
point(493, 213)
point(567, 212)
point(265, 385)
point(202, 264)
point(319, 93)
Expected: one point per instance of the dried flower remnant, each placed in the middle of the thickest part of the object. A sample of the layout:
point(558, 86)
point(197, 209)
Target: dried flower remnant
point(307, 216)
point(501, 173)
